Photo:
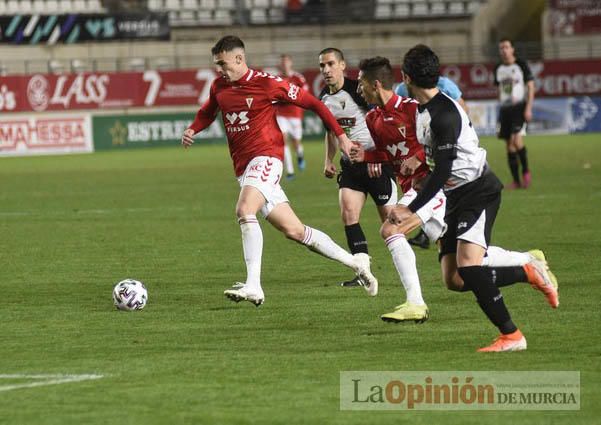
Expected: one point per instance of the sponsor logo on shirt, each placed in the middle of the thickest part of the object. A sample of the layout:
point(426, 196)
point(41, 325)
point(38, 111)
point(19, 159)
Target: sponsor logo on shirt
point(400, 147)
point(293, 91)
point(346, 122)
point(236, 121)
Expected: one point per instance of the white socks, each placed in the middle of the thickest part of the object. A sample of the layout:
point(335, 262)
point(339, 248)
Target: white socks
point(499, 257)
point(321, 243)
point(403, 258)
point(288, 160)
point(252, 245)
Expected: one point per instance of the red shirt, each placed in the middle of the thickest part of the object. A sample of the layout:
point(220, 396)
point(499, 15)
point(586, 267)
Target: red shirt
point(392, 128)
point(287, 109)
point(249, 116)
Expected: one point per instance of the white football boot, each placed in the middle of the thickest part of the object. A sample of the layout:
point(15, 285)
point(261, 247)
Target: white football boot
point(242, 292)
point(362, 268)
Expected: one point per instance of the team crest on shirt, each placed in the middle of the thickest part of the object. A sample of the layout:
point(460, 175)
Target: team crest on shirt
point(402, 131)
point(249, 101)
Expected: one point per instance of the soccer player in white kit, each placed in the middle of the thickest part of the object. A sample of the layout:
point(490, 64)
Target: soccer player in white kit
point(473, 198)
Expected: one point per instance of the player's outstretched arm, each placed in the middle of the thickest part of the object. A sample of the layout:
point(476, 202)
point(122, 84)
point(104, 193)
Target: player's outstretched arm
point(204, 118)
point(329, 169)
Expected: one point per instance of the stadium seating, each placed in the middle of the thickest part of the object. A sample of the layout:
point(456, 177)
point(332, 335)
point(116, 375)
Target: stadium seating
point(395, 9)
point(188, 13)
point(12, 7)
point(220, 12)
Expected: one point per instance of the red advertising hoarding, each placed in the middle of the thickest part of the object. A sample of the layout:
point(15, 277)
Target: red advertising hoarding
point(551, 78)
point(61, 133)
point(574, 17)
point(102, 90)
point(476, 81)
point(48, 92)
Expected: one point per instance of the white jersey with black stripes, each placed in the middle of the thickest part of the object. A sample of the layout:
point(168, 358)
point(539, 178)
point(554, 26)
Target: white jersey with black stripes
point(442, 124)
point(349, 109)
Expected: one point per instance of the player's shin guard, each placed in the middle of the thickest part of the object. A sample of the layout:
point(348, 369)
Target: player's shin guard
point(403, 258)
point(480, 281)
point(355, 238)
point(512, 159)
point(499, 257)
point(523, 155)
point(321, 243)
point(252, 245)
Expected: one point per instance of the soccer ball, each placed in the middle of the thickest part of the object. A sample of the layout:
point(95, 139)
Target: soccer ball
point(130, 294)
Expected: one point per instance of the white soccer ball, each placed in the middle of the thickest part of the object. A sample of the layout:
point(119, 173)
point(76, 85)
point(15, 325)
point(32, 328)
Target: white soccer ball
point(130, 294)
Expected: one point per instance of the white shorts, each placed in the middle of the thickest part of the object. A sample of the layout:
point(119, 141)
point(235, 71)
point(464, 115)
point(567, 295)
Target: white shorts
point(293, 127)
point(264, 173)
point(432, 214)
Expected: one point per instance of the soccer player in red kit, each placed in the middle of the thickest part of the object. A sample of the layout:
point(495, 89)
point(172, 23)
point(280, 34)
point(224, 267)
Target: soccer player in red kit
point(245, 98)
point(392, 127)
point(392, 124)
point(290, 118)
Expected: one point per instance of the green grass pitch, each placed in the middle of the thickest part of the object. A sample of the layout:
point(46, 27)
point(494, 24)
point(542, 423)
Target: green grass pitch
point(72, 226)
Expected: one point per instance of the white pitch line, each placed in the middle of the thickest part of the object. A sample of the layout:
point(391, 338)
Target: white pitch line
point(48, 380)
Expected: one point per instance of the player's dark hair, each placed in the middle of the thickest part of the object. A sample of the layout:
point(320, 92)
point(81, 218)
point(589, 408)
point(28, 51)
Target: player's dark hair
point(422, 65)
point(227, 44)
point(504, 39)
point(378, 68)
point(334, 50)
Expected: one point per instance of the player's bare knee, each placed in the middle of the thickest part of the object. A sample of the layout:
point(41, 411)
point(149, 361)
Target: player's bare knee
point(349, 217)
point(295, 233)
point(388, 229)
point(243, 209)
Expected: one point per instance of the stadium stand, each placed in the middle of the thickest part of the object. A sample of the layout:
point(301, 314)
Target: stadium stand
point(9, 7)
point(465, 31)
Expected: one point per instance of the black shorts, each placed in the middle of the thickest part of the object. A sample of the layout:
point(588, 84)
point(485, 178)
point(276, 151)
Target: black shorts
point(382, 189)
point(471, 212)
point(511, 119)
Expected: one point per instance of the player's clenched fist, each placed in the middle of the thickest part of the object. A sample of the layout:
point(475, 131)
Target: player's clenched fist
point(187, 138)
point(329, 170)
